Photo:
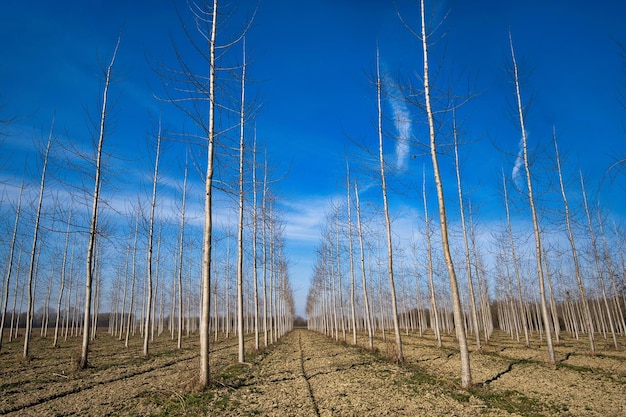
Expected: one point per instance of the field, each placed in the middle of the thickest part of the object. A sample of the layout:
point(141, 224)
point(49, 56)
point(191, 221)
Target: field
point(308, 374)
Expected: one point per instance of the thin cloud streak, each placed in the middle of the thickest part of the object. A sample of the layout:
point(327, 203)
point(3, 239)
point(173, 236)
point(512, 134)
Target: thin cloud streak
point(402, 123)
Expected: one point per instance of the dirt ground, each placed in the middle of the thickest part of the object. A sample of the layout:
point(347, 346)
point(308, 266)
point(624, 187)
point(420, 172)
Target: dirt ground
point(309, 374)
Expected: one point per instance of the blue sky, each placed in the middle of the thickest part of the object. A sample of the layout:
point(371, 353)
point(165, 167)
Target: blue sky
point(313, 62)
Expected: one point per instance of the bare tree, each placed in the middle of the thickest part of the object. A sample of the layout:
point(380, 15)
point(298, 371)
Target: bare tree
point(130, 317)
point(240, 335)
point(255, 232)
point(94, 213)
point(351, 255)
point(181, 243)
point(429, 255)
point(596, 257)
point(31, 271)
point(7, 281)
point(468, 262)
point(392, 286)
point(533, 210)
point(148, 315)
point(516, 268)
point(62, 284)
point(466, 375)
point(368, 318)
point(570, 236)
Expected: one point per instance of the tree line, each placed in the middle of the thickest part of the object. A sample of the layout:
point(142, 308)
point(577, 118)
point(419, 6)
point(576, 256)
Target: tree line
point(551, 266)
point(171, 257)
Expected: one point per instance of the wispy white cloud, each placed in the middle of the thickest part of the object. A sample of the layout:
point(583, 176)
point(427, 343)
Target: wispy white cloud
point(402, 122)
point(517, 166)
point(304, 218)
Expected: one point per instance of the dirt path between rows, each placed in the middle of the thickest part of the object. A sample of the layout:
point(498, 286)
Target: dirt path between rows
point(308, 374)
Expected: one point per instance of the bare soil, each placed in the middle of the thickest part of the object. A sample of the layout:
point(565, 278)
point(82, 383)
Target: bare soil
point(309, 374)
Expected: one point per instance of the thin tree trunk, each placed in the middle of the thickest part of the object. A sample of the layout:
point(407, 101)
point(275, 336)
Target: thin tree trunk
point(351, 254)
point(10, 266)
point(596, 256)
point(429, 255)
point(265, 260)
point(148, 311)
point(468, 263)
point(130, 319)
point(240, 335)
point(205, 337)
point(341, 312)
point(522, 314)
point(392, 286)
point(533, 210)
point(31, 272)
point(94, 214)
point(368, 319)
point(62, 285)
point(255, 266)
point(466, 375)
point(17, 279)
point(180, 261)
point(570, 236)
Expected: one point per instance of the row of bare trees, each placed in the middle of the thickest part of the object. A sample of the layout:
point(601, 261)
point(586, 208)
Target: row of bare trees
point(577, 283)
point(144, 265)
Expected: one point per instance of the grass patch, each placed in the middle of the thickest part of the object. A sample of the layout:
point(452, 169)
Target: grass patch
point(511, 401)
point(232, 376)
point(179, 405)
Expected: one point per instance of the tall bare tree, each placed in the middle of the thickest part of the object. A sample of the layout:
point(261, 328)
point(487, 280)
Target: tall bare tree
point(466, 375)
point(596, 257)
point(383, 181)
point(429, 256)
point(148, 314)
point(181, 243)
point(516, 268)
point(533, 210)
point(368, 317)
point(468, 262)
point(588, 320)
point(94, 212)
point(351, 255)
point(31, 271)
point(7, 281)
point(62, 284)
point(240, 335)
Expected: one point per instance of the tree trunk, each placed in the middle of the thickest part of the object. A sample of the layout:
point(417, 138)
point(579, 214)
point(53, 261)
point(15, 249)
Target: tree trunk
point(31, 271)
point(10, 265)
point(392, 286)
point(181, 243)
point(205, 336)
point(531, 201)
point(351, 255)
point(596, 256)
point(130, 319)
point(148, 311)
point(368, 318)
point(94, 214)
point(434, 312)
point(466, 375)
point(570, 236)
point(240, 336)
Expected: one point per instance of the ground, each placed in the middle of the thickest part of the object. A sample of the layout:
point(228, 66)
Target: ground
point(309, 374)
